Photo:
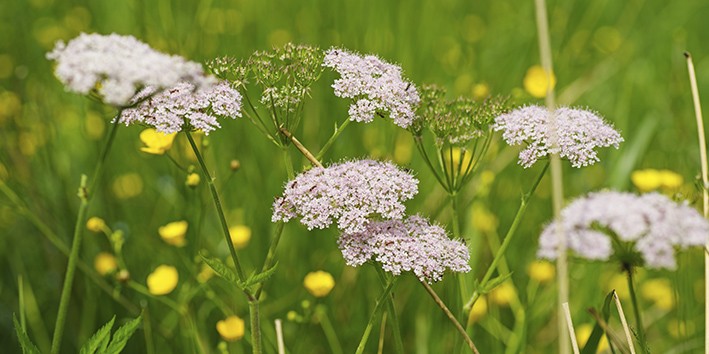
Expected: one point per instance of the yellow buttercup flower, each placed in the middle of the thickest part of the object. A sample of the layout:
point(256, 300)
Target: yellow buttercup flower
point(192, 180)
point(536, 81)
point(174, 233)
point(541, 271)
point(231, 328)
point(503, 294)
point(478, 310)
point(670, 179)
point(583, 332)
point(319, 283)
point(240, 236)
point(105, 263)
point(95, 224)
point(163, 280)
point(660, 292)
point(156, 143)
point(646, 180)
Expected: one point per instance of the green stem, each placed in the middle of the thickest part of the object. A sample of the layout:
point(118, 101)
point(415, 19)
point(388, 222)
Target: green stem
point(508, 237)
point(220, 211)
point(332, 139)
point(271, 255)
point(638, 318)
point(255, 326)
point(450, 316)
point(85, 196)
point(422, 150)
point(391, 309)
point(288, 162)
point(329, 330)
point(377, 308)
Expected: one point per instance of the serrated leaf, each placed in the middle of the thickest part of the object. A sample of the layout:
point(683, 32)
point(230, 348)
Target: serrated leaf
point(260, 277)
point(120, 338)
point(221, 269)
point(27, 346)
point(99, 339)
point(594, 339)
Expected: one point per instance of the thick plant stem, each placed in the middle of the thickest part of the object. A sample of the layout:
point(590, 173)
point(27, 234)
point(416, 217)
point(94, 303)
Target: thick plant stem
point(332, 139)
point(85, 195)
point(556, 174)
point(394, 318)
point(638, 317)
point(450, 316)
point(377, 308)
point(300, 147)
point(705, 192)
point(508, 237)
point(218, 206)
point(255, 326)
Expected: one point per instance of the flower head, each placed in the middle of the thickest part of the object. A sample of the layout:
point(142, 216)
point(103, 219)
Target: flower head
point(319, 283)
point(231, 328)
point(240, 236)
point(96, 224)
point(649, 180)
point(578, 132)
point(406, 245)
point(375, 86)
point(163, 280)
point(536, 81)
point(105, 263)
point(117, 66)
point(350, 193)
point(184, 106)
point(174, 233)
point(641, 230)
point(156, 143)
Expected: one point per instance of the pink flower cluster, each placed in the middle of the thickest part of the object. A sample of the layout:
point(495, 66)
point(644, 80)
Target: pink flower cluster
point(375, 86)
point(184, 104)
point(406, 245)
point(652, 224)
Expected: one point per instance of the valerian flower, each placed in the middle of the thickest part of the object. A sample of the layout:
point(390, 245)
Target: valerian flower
point(375, 86)
point(118, 66)
point(635, 229)
point(184, 106)
point(350, 193)
point(410, 245)
point(578, 132)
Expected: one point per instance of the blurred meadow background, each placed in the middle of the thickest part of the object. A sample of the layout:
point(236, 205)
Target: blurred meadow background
point(622, 59)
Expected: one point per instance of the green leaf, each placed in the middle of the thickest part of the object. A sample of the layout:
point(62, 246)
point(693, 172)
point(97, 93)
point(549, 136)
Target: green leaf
point(99, 339)
point(27, 346)
point(594, 339)
point(120, 338)
point(260, 277)
point(491, 284)
point(221, 269)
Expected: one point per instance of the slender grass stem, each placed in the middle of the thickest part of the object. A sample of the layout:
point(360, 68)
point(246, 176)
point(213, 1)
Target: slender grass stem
point(636, 308)
point(391, 309)
point(377, 308)
point(220, 211)
point(624, 322)
point(508, 237)
point(705, 182)
point(570, 326)
point(329, 330)
point(450, 316)
point(85, 194)
point(335, 135)
point(279, 336)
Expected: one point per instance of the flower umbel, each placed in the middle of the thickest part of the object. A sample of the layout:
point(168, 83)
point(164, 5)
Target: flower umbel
point(117, 66)
point(350, 193)
point(376, 87)
point(406, 245)
point(578, 133)
point(637, 230)
point(184, 106)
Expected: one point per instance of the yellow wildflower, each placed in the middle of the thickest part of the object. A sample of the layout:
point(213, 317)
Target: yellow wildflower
point(478, 310)
point(162, 280)
point(670, 179)
point(319, 283)
point(174, 233)
point(583, 332)
point(128, 185)
point(646, 180)
point(541, 271)
point(105, 263)
point(192, 180)
point(240, 236)
point(157, 143)
point(536, 81)
point(481, 91)
point(231, 328)
point(95, 224)
point(660, 292)
point(503, 294)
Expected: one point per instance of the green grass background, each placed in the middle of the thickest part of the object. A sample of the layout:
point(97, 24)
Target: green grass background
point(621, 58)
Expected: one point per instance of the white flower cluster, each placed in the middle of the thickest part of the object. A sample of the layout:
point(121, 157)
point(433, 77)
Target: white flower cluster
point(118, 66)
point(578, 133)
point(649, 225)
point(375, 86)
